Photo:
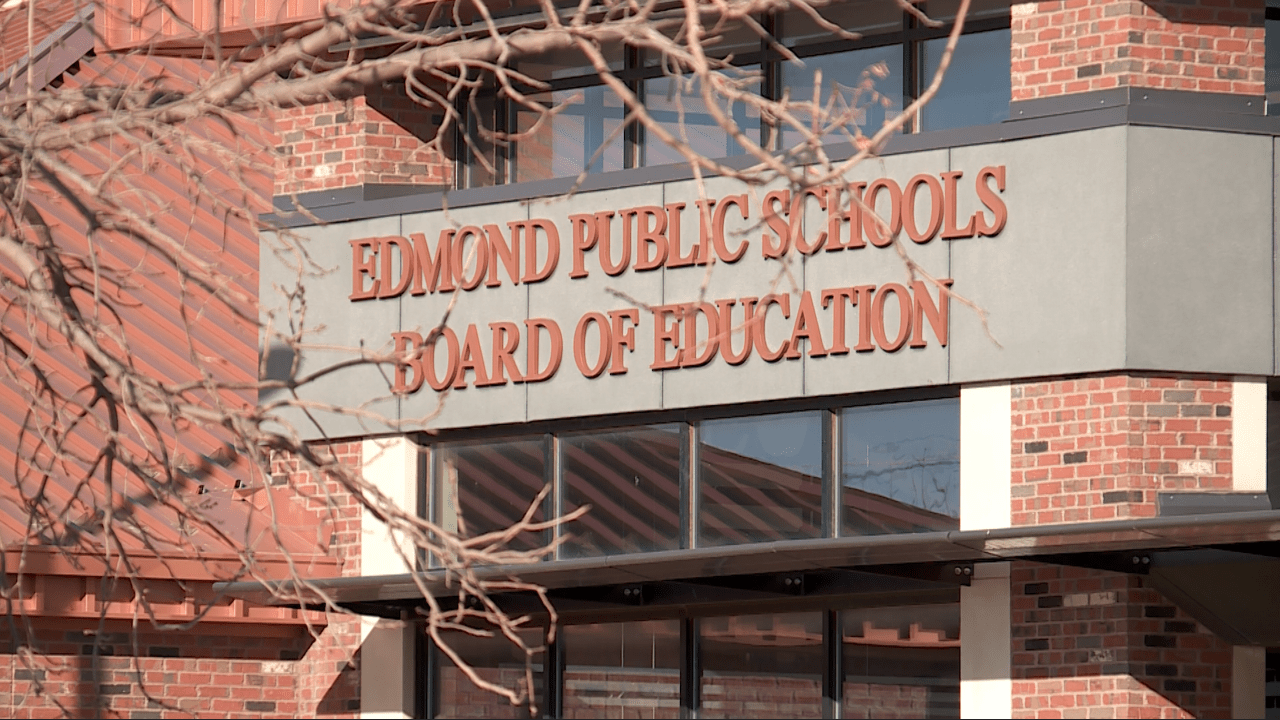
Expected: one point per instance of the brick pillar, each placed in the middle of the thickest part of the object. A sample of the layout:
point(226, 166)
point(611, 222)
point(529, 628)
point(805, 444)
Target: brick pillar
point(1102, 448)
point(1072, 46)
point(1088, 643)
point(379, 138)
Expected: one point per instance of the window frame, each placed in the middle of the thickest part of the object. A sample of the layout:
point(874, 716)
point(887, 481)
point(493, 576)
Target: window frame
point(911, 37)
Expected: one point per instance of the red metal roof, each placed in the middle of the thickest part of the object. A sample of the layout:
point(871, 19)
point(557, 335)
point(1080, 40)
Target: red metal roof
point(168, 329)
point(15, 41)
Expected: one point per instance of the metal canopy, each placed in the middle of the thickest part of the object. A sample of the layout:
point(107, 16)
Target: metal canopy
point(1221, 568)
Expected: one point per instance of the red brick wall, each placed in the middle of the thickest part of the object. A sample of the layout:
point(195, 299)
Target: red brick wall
point(1069, 46)
point(48, 667)
point(379, 138)
point(1089, 642)
point(1100, 448)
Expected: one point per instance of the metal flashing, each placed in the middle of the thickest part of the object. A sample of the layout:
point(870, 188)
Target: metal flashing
point(1210, 112)
point(52, 55)
point(931, 548)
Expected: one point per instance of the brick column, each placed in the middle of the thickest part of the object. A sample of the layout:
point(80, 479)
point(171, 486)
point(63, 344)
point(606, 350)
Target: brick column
point(1093, 643)
point(1088, 643)
point(1072, 46)
point(1102, 448)
point(377, 138)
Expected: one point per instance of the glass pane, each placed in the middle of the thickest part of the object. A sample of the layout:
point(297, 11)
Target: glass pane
point(677, 105)
point(566, 143)
point(483, 487)
point(729, 41)
point(760, 479)
point(900, 467)
point(762, 666)
point(978, 10)
point(861, 90)
point(495, 660)
point(976, 88)
point(570, 63)
point(864, 18)
point(622, 670)
point(631, 479)
point(476, 146)
point(902, 662)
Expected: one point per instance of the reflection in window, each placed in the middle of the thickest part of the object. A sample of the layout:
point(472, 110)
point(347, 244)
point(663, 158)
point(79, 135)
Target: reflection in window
point(485, 487)
point(677, 105)
point(571, 140)
point(631, 479)
point(901, 662)
point(494, 659)
point(760, 479)
point(862, 88)
point(900, 467)
point(766, 666)
point(622, 670)
point(976, 88)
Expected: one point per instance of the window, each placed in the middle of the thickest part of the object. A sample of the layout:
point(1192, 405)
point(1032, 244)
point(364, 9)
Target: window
point(879, 661)
point(631, 480)
point(866, 80)
point(710, 480)
point(900, 467)
point(488, 486)
point(760, 479)
point(622, 670)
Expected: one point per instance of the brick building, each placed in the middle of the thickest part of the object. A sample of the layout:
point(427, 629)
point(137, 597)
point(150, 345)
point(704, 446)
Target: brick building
point(896, 509)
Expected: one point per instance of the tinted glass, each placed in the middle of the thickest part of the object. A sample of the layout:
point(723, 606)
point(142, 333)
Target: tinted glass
point(622, 670)
point(861, 18)
point(902, 662)
point(483, 487)
point(631, 480)
point(900, 467)
point(760, 479)
point(860, 91)
point(765, 666)
point(494, 660)
point(677, 105)
point(730, 40)
point(978, 10)
point(561, 64)
point(586, 134)
point(476, 146)
point(976, 88)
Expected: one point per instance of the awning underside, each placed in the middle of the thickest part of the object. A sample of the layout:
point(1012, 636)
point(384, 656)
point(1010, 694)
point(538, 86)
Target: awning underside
point(1222, 568)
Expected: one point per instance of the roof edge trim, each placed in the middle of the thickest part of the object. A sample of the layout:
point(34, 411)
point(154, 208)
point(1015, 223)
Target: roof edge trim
point(52, 55)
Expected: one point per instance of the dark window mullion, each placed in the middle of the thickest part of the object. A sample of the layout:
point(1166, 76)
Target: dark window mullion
point(553, 679)
point(910, 69)
point(771, 69)
point(502, 121)
point(690, 668)
point(833, 667)
point(633, 133)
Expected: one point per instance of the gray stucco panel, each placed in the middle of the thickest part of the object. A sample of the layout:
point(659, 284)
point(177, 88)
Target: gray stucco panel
point(336, 329)
point(1199, 252)
point(1052, 283)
